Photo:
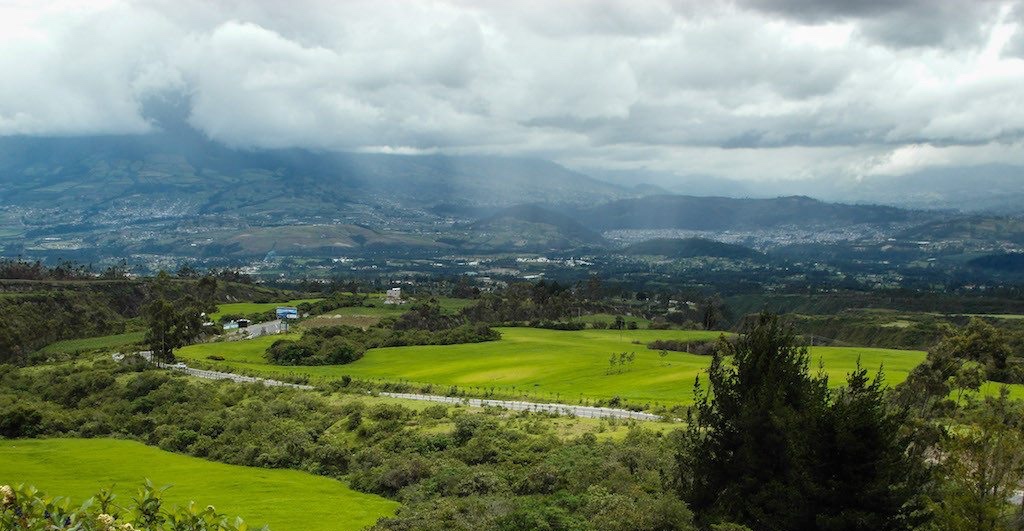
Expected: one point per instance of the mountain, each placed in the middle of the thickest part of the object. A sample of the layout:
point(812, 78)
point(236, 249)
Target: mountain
point(128, 178)
point(996, 188)
point(530, 227)
point(976, 229)
point(723, 213)
point(692, 248)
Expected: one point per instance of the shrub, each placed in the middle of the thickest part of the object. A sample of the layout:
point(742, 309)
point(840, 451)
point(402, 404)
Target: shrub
point(28, 509)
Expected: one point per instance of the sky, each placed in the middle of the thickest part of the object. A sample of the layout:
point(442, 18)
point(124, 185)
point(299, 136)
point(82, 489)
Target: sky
point(744, 89)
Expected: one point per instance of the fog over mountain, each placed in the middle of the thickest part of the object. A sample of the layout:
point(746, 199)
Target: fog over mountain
point(837, 100)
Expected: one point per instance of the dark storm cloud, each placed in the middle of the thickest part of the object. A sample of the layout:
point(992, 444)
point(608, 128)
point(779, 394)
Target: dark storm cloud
point(896, 23)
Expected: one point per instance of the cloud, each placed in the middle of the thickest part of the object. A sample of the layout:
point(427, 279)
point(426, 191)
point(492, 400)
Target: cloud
point(746, 89)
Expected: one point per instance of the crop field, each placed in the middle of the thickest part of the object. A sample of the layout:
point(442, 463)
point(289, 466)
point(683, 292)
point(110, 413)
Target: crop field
point(286, 500)
point(565, 366)
point(92, 343)
point(246, 308)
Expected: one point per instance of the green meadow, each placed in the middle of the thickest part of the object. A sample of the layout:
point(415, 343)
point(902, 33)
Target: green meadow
point(247, 308)
point(566, 366)
point(93, 343)
point(286, 500)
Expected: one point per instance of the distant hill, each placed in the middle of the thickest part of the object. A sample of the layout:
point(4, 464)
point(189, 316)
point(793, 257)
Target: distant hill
point(691, 248)
point(1006, 262)
point(723, 213)
point(531, 227)
point(996, 188)
point(991, 229)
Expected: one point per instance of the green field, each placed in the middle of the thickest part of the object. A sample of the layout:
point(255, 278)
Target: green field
point(247, 308)
point(566, 366)
point(92, 343)
point(286, 500)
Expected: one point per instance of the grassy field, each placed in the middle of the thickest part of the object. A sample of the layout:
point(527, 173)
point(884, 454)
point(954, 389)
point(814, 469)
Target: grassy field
point(92, 343)
point(550, 365)
point(286, 500)
point(246, 308)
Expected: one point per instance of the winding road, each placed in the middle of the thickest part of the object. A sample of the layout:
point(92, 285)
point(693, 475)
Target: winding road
point(512, 405)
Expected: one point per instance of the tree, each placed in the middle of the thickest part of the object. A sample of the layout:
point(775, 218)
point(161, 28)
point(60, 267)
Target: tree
point(983, 465)
point(711, 312)
point(170, 326)
point(769, 446)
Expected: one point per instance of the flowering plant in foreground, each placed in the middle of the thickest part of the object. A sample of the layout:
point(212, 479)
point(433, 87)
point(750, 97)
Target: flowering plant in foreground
point(26, 508)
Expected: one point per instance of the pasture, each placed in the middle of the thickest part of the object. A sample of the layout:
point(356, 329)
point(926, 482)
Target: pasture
point(248, 308)
point(564, 366)
point(286, 500)
point(93, 343)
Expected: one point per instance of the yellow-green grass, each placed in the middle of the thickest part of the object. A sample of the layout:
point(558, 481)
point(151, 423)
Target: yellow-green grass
point(247, 308)
point(565, 366)
point(992, 389)
point(286, 500)
point(93, 343)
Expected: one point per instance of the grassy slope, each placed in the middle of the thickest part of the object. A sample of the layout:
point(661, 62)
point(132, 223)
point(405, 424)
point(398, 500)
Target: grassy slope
point(246, 308)
point(91, 343)
point(284, 499)
point(549, 364)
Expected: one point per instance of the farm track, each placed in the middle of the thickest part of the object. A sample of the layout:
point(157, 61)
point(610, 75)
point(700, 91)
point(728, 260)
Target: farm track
point(511, 405)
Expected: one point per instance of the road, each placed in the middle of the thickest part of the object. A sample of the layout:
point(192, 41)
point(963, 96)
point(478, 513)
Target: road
point(512, 405)
point(559, 409)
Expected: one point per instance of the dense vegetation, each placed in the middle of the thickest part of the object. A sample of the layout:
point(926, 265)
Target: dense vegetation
point(423, 324)
point(770, 446)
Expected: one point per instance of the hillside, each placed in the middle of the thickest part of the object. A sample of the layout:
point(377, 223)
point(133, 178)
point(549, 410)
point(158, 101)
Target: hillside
point(94, 181)
point(531, 227)
point(723, 213)
point(691, 248)
point(975, 228)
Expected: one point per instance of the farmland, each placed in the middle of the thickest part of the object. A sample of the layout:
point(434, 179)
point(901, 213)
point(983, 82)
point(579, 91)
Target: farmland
point(248, 308)
point(93, 343)
point(551, 365)
point(258, 495)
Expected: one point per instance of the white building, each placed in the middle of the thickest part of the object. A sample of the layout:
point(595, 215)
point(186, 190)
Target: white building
point(394, 296)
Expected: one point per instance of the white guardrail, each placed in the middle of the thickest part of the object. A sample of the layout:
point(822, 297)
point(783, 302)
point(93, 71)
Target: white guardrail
point(589, 412)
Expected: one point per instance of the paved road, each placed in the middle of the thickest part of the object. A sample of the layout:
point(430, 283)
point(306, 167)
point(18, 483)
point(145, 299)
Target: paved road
point(216, 375)
point(559, 409)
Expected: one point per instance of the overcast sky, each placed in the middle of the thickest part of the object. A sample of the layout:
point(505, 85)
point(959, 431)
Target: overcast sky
point(749, 89)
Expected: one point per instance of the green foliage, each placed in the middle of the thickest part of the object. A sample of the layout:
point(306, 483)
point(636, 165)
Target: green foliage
point(769, 445)
point(26, 508)
point(475, 471)
point(982, 466)
point(337, 345)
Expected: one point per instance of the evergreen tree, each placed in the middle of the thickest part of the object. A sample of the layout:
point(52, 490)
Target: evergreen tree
point(770, 447)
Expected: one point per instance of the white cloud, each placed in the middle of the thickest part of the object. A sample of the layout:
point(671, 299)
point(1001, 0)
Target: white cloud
point(749, 89)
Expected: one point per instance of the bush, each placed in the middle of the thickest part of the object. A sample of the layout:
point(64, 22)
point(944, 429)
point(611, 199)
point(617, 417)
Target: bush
point(28, 509)
point(703, 348)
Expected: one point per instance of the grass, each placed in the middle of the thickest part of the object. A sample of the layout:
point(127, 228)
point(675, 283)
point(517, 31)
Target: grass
point(247, 308)
point(564, 366)
point(93, 343)
point(286, 500)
